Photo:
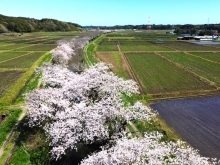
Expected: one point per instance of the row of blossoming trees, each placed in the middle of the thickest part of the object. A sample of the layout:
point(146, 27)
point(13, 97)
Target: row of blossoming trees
point(88, 108)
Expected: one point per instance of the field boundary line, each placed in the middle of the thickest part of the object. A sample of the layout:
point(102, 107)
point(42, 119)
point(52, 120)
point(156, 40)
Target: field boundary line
point(202, 58)
point(174, 95)
point(7, 44)
point(168, 51)
point(14, 69)
point(16, 57)
point(128, 68)
point(203, 79)
point(13, 92)
point(14, 49)
point(23, 46)
point(170, 47)
point(167, 47)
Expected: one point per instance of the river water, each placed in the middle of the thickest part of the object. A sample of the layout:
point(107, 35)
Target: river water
point(197, 120)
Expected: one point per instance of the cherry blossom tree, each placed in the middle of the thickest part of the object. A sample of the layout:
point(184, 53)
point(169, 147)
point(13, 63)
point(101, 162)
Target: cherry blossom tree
point(62, 54)
point(147, 150)
point(89, 107)
point(86, 107)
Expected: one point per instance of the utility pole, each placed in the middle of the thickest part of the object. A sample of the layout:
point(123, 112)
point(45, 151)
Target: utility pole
point(148, 25)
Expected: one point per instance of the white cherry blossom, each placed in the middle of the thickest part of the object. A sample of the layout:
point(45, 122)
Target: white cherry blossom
point(90, 107)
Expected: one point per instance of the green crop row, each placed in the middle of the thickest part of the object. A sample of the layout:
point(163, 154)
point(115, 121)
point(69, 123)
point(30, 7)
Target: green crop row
point(10, 55)
point(22, 62)
point(107, 48)
point(148, 47)
point(215, 57)
point(38, 47)
point(142, 34)
point(158, 76)
point(134, 45)
point(12, 46)
point(202, 67)
point(186, 46)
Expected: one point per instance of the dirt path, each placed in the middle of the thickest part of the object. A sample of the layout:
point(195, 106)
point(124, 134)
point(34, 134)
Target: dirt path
point(137, 132)
point(22, 115)
point(128, 68)
point(202, 58)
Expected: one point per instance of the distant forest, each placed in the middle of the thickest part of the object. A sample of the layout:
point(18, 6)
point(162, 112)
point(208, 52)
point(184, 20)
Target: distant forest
point(22, 24)
point(204, 29)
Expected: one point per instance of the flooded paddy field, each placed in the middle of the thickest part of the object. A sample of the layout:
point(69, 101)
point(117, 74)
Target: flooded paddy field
point(197, 120)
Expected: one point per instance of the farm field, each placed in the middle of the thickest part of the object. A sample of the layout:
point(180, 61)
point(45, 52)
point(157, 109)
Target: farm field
point(18, 53)
point(24, 61)
point(10, 55)
point(115, 59)
point(187, 46)
point(19, 56)
point(162, 65)
point(174, 69)
point(7, 79)
point(202, 67)
point(165, 77)
point(107, 46)
point(196, 120)
point(212, 56)
point(142, 46)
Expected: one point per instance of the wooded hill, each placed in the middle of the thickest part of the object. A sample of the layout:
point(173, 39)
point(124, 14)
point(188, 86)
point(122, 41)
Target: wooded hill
point(22, 24)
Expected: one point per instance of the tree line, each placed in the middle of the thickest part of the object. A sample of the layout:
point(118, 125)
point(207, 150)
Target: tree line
point(202, 29)
point(23, 24)
point(84, 116)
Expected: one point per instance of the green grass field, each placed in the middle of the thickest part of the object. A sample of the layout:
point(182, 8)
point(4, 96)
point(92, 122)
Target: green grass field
point(202, 67)
point(142, 46)
point(214, 57)
point(19, 53)
point(22, 61)
point(11, 46)
point(161, 64)
point(38, 47)
point(158, 76)
point(19, 57)
point(10, 55)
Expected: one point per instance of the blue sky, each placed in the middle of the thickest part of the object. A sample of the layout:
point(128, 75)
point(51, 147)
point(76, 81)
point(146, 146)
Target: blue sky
point(116, 12)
